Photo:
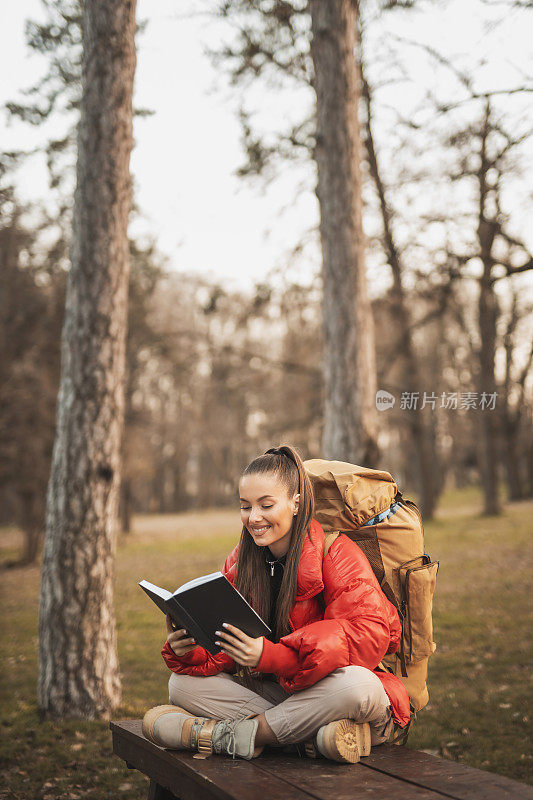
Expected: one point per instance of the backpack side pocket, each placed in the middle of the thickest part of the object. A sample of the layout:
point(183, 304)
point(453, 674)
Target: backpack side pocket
point(417, 580)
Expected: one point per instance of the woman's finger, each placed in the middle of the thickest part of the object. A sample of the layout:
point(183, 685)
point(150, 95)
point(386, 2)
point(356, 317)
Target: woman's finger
point(242, 641)
point(234, 652)
point(228, 645)
point(178, 638)
point(236, 631)
point(236, 657)
point(181, 646)
point(180, 634)
point(227, 637)
point(171, 625)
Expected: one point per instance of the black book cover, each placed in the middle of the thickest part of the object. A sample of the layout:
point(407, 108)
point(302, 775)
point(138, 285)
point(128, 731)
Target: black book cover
point(203, 604)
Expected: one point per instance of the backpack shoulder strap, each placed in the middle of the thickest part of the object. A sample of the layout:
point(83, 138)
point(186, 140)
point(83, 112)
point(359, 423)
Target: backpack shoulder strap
point(329, 538)
point(328, 541)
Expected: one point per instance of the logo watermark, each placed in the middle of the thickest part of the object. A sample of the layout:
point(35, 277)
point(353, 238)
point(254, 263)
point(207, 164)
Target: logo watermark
point(450, 401)
point(384, 400)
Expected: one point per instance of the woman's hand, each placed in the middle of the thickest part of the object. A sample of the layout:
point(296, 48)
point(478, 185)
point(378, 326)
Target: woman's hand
point(242, 648)
point(180, 643)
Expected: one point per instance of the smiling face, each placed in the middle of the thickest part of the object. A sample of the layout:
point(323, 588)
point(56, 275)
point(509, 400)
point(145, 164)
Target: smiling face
point(267, 511)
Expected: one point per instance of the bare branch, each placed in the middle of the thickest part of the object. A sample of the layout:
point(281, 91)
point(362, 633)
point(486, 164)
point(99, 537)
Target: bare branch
point(464, 79)
point(510, 269)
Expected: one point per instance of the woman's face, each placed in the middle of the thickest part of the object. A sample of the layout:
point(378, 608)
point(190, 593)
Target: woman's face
point(267, 511)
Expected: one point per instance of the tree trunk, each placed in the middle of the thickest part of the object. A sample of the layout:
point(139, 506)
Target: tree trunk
point(422, 439)
point(32, 525)
point(179, 493)
point(488, 316)
point(510, 426)
point(31, 546)
point(512, 459)
point(78, 664)
point(529, 464)
point(125, 506)
point(350, 419)
point(513, 417)
point(487, 383)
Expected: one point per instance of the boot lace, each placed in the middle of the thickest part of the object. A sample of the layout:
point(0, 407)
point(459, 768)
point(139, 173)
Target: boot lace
point(225, 740)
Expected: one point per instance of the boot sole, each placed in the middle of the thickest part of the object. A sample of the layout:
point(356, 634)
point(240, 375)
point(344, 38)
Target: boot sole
point(344, 740)
point(151, 717)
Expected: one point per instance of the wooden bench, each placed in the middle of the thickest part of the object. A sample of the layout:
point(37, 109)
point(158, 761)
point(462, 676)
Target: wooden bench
point(389, 773)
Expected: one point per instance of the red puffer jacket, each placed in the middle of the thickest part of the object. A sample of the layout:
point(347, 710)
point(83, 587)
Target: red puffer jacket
point(359, 625)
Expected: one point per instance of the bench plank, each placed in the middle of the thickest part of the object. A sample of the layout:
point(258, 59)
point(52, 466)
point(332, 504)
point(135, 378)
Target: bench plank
point(451, 779)
point(389, 771)
point(275, 775)
point(326, 779)
point(197, 779)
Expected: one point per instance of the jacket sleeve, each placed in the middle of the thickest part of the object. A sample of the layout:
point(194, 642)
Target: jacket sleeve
point(356, 629)
point(199, 661)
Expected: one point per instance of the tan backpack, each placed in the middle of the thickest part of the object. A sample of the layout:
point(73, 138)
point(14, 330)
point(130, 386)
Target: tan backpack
point(348, 498)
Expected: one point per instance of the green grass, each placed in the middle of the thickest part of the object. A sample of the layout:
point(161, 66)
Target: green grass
point(478, 677)
point(479, 681)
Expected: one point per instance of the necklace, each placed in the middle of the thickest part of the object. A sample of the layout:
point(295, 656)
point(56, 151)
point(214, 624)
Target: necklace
point(272, 564)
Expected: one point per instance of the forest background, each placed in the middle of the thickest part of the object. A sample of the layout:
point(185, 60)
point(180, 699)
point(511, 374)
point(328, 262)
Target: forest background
point(226, 346)
point(221, 365)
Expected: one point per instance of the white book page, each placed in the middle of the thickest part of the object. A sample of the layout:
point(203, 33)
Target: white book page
point(164, 594)
point(198, 581)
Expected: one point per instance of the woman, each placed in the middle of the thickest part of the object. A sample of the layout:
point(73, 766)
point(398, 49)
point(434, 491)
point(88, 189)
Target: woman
point(315, 681)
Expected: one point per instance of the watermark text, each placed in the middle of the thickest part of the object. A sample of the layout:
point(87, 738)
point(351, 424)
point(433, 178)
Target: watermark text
point(450, 401)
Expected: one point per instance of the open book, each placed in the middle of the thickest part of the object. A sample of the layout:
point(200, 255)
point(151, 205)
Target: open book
point(203, 604)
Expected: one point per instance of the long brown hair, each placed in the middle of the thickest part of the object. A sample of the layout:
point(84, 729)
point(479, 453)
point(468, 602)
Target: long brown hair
point(252, 579)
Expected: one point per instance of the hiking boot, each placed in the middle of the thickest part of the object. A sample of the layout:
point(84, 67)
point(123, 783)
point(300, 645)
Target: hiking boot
point(235, 737)
point(163, 725)
point(175, 728)
point(342, 740)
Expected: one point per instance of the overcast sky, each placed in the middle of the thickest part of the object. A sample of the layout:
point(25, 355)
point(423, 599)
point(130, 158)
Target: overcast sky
point(201, 215)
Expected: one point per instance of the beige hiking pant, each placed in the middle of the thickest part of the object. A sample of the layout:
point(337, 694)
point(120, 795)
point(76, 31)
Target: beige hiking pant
point(353, 692)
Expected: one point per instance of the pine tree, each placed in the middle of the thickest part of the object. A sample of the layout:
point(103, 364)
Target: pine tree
point(78, 664)
point(350, 423)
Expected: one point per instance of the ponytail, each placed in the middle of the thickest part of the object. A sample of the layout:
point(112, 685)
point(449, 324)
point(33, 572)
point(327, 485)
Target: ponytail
point(252, 580)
